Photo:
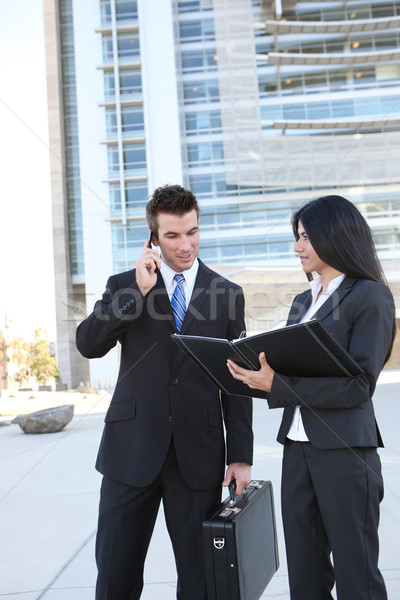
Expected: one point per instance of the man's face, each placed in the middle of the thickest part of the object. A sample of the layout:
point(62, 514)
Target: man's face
point(178, 239)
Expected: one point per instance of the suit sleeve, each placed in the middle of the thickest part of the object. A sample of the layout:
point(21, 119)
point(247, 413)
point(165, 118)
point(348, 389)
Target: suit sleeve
point(238, 410)
point(370, 319)
point(111, 316)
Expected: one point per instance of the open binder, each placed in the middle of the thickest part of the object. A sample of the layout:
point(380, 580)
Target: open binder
point(302, 350)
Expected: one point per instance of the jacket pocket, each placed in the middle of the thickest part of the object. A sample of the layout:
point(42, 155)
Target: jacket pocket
point(121, 411)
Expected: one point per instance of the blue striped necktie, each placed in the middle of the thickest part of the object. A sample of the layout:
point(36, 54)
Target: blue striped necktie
point(178, 301)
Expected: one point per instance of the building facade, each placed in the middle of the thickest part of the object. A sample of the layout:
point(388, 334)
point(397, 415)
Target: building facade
point(257, 105)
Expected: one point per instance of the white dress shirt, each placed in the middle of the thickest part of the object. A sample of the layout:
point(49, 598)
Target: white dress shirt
point(297, 431)
point(190, 275)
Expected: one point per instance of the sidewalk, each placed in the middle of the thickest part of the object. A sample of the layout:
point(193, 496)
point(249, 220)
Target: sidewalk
point(49, 497)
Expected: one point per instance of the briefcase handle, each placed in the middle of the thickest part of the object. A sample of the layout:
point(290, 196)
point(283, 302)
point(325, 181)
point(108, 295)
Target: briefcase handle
point(232, 488)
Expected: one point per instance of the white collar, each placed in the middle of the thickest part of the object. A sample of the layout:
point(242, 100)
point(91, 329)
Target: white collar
point(316, 285)
point(168, 275)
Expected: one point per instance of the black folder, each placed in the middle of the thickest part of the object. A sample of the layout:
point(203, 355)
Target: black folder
point(301, 350)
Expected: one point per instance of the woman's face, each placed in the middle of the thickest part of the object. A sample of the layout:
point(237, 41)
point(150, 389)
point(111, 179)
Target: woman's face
point(310, 261)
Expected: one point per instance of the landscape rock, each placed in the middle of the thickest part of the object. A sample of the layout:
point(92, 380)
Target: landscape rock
point(48, 420)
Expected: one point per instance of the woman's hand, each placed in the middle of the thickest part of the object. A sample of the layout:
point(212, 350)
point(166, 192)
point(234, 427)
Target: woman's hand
point(258, 380)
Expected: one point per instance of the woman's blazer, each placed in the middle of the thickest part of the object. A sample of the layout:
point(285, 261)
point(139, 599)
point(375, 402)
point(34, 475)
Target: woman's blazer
point(337, 411)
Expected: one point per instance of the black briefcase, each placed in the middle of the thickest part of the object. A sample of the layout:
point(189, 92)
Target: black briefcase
point(240, 544)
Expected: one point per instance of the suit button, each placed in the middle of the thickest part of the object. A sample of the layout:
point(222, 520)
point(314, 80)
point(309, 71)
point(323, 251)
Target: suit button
point(170, 419)
point(175, 381)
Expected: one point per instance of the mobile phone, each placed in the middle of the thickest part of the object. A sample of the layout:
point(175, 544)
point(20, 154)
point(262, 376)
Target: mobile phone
point(150, 246)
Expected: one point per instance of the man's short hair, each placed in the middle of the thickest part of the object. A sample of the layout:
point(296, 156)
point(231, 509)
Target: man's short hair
point(172, 199)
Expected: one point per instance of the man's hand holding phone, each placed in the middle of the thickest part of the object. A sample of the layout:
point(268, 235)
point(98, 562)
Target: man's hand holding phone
point(146, 267)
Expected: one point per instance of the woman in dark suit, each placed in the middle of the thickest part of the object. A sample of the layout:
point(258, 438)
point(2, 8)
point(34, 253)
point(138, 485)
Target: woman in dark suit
point(331, 475)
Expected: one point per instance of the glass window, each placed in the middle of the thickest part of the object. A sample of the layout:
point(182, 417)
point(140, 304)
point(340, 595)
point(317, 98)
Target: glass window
point(201, 184)
point(132, 119)
point(229, 251)
point(255, 247)
point(311, 47)
point(386, 42)
point(210, 58)
point(192, 60)
point(137, 195)
point(207, 220)
point(194, 90)
point(126, 10)
point(208, 28)
point(113, 161)
point(105, 11)
point(111, 122)
point(228, 219)
point(313, 80)
point(292, 83)
point(205, 153)
point(107, 48)
point(202, 121)
point(267, 83)
point(130, 82)
point(294, 111)
point(336, 45)
point(115, 199)
point(367, 106)
point(379, 11)
point(318, 110)
point(280, 248)
point(128, 45)
point(109, 84)
point(359, 44)
point(253, 216)
point(343, 108)
point(191, 31)
point(134, 158)
point(193, 5)
point(199, 59)
point(390, 104)
point(270, 113)
point(127, 242)
point(202, 90)
point(136, 234)
point(337, 79)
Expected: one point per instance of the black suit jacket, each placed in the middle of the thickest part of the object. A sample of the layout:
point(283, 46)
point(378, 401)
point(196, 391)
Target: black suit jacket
point(160, 392)
point(337, 411)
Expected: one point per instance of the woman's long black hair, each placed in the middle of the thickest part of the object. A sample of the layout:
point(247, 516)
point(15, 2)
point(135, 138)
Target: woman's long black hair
point(341, 237)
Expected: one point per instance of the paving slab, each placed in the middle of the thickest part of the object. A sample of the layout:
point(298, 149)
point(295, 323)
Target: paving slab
point(49, 493)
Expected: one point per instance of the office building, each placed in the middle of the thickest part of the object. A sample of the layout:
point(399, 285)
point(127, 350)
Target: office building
point(256, 105)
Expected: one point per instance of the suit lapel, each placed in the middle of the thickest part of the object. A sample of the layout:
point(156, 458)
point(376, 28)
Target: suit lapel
point(160, 297)
point(299, 307)
point(331, 305)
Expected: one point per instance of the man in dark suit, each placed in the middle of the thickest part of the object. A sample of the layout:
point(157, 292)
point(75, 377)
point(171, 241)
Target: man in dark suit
point(164, 431)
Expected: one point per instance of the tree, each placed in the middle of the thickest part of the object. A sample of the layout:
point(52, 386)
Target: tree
point(41, 365)
point(19, 356)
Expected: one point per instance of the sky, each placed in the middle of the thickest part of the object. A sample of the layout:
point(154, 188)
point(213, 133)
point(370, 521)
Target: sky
point(26, 252)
